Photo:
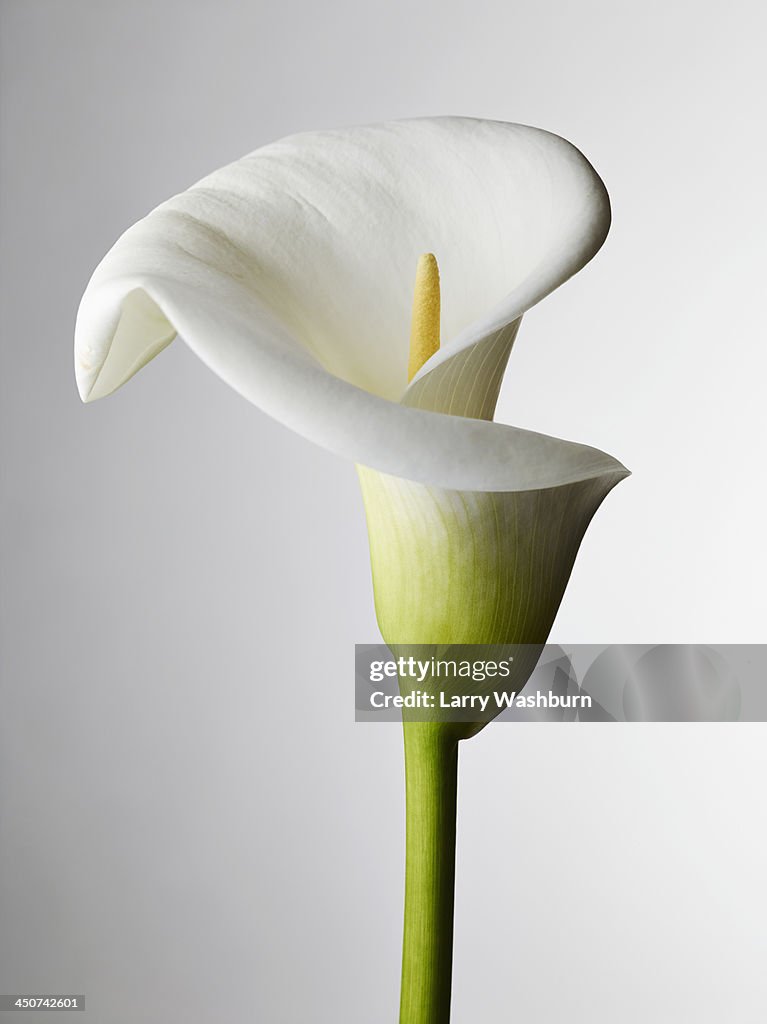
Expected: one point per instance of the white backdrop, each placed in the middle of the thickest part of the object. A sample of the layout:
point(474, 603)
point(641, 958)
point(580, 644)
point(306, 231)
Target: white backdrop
point(193, 826)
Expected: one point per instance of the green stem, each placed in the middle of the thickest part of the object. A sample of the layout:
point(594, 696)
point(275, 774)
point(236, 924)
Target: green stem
point(431, 783)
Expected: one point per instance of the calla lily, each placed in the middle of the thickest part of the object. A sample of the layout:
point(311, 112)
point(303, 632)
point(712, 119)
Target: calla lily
point(290, 274)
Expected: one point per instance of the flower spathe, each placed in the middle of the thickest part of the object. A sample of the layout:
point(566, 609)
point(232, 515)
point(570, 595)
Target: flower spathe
point(289, 273)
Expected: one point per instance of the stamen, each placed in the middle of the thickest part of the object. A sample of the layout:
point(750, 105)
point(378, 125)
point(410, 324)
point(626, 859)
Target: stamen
point(424, 332)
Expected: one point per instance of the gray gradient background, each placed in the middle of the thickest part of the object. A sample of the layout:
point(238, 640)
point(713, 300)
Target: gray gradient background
point(193, 827)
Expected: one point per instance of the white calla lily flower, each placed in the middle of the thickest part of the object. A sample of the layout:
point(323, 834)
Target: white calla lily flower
point(290, 274)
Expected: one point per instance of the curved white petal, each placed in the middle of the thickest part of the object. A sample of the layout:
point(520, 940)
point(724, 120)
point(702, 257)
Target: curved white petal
point(289, 273)
point(468, 383)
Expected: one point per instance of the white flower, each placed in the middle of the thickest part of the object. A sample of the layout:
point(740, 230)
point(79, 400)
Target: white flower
point(290, 274)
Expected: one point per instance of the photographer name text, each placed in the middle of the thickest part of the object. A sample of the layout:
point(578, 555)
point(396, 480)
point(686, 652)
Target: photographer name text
point(426, 700)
